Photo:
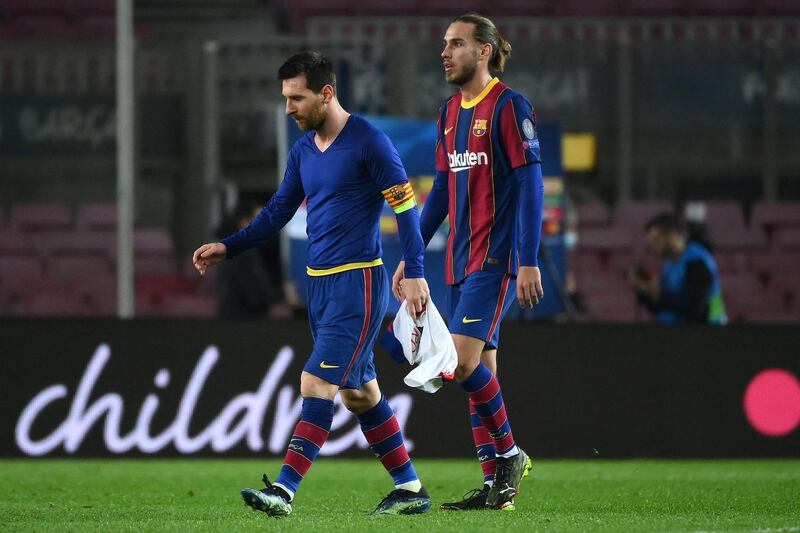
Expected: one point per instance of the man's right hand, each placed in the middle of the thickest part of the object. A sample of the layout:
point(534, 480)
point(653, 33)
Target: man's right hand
point(208, 255)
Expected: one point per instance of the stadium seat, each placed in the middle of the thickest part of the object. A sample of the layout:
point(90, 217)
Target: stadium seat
point(632, 216)
point(732, 262)
point(772, 264)
point(58, 304)
point(611, 306)
point(70, 268)
point(154, 264)
point(772, 215)
point(656, 7)
point(20, 270)
point(727, 230)
point(100, 294)
point(603, 282)
point(723, 7)
point(586, 261)
point(592, 215)
point(14, 243)
point(97, 217)
point(152, 242)
point(788, 239)
point(40, 216)
point(178, 305)
point(724, 214)
point(154, 286)
point(78, 243)
point(744, 294)
point(780, 7)
point(606, 239)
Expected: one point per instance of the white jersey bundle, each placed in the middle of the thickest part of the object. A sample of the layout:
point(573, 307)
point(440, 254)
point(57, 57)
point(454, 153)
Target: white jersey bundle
point(426, 343)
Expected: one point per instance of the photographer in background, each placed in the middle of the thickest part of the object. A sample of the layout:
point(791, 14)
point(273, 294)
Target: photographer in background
point(688, 290)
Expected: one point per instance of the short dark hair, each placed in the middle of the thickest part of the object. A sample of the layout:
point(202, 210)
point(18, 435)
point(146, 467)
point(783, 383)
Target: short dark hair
point(316, 68)
point(486, 33)
point(665, 223)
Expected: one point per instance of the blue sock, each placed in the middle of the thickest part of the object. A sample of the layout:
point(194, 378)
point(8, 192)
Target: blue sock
point(484, 392)
point(383, 433)
point(309, 436)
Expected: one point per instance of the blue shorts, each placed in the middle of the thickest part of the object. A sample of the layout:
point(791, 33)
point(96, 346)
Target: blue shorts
point(345, 311)
point(477, 305)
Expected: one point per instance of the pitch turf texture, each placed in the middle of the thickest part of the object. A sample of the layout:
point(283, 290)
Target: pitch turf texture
point(203, 495)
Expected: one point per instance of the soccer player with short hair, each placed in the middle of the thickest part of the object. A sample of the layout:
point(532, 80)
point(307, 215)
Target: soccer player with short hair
point(345, 168)
point(489, 182)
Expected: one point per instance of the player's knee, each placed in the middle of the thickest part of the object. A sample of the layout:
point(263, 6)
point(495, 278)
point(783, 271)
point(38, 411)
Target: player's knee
point(465, 369)
point(312, 386)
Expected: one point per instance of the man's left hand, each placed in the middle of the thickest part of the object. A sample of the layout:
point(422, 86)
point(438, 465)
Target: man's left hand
point(415, 292)
point(529, 286)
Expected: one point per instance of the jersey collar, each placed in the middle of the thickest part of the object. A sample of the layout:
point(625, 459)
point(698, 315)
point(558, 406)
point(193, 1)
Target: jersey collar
point(477, 100)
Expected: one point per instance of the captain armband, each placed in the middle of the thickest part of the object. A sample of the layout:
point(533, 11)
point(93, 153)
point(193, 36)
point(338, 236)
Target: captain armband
point(400, 197)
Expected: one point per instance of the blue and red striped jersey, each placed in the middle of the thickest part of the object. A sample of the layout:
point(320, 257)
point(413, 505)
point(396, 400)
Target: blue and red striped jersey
point(480, 144)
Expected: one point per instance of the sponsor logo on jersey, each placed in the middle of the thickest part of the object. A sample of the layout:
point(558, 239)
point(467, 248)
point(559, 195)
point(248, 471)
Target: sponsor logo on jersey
point(466, 160)
point(479, 128)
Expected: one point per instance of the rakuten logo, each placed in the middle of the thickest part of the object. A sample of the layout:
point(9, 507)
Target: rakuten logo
point(466, 160)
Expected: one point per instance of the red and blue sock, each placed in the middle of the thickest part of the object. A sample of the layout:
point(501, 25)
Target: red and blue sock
point(484, 392)
point(308, 437)
point(484, 446)
point(383, 434)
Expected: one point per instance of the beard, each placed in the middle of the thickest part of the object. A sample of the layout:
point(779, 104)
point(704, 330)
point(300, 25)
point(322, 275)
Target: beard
point(466, 74)
point(314, 120)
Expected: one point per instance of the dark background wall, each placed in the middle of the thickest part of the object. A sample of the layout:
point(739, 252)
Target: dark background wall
point(572, 391)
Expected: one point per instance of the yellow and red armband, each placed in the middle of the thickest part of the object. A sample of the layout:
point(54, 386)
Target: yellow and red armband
point(400, 197)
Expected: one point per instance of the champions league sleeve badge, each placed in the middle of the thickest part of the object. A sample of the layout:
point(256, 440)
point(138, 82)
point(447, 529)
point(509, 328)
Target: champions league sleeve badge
point(528, 128)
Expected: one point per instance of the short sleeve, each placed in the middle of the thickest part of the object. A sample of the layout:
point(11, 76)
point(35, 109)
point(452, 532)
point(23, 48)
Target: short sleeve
point(518, 132)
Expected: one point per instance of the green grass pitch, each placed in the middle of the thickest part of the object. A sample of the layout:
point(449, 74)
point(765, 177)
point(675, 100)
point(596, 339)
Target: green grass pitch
point(561, 495)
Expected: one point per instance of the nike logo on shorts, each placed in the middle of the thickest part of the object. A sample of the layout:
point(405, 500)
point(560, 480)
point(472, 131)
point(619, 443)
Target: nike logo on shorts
point(466, 320)
point(447, 130)
point(323, 365)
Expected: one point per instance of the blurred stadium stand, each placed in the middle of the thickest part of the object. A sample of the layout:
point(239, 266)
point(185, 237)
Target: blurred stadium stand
point(702, 74)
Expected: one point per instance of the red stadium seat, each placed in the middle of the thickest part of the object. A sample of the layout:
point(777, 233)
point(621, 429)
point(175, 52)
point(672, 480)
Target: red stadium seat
point(97, 217)
point(772, 215)
point(611, 306)
point(40, 216)
point(788, 239)
point(71, 243)
point(60, 304)
point(180, 305)
point(592, 215)
point(614, 238)
point(154, 264)
point(732, 262)
point(69, 268)
point(632, 216)
point(152, 242)
point(19, 271)
point(723, 7)
point(14, 243)
point(727, 229)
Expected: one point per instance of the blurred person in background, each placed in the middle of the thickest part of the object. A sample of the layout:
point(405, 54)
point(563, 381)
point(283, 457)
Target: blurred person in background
point(688, 290)
point(346, 168)
point(489, 182)
point(249, 287)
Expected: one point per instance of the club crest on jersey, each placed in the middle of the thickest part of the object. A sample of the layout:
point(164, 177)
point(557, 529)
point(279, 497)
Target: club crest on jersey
point(479, 128)
point(397, 193)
